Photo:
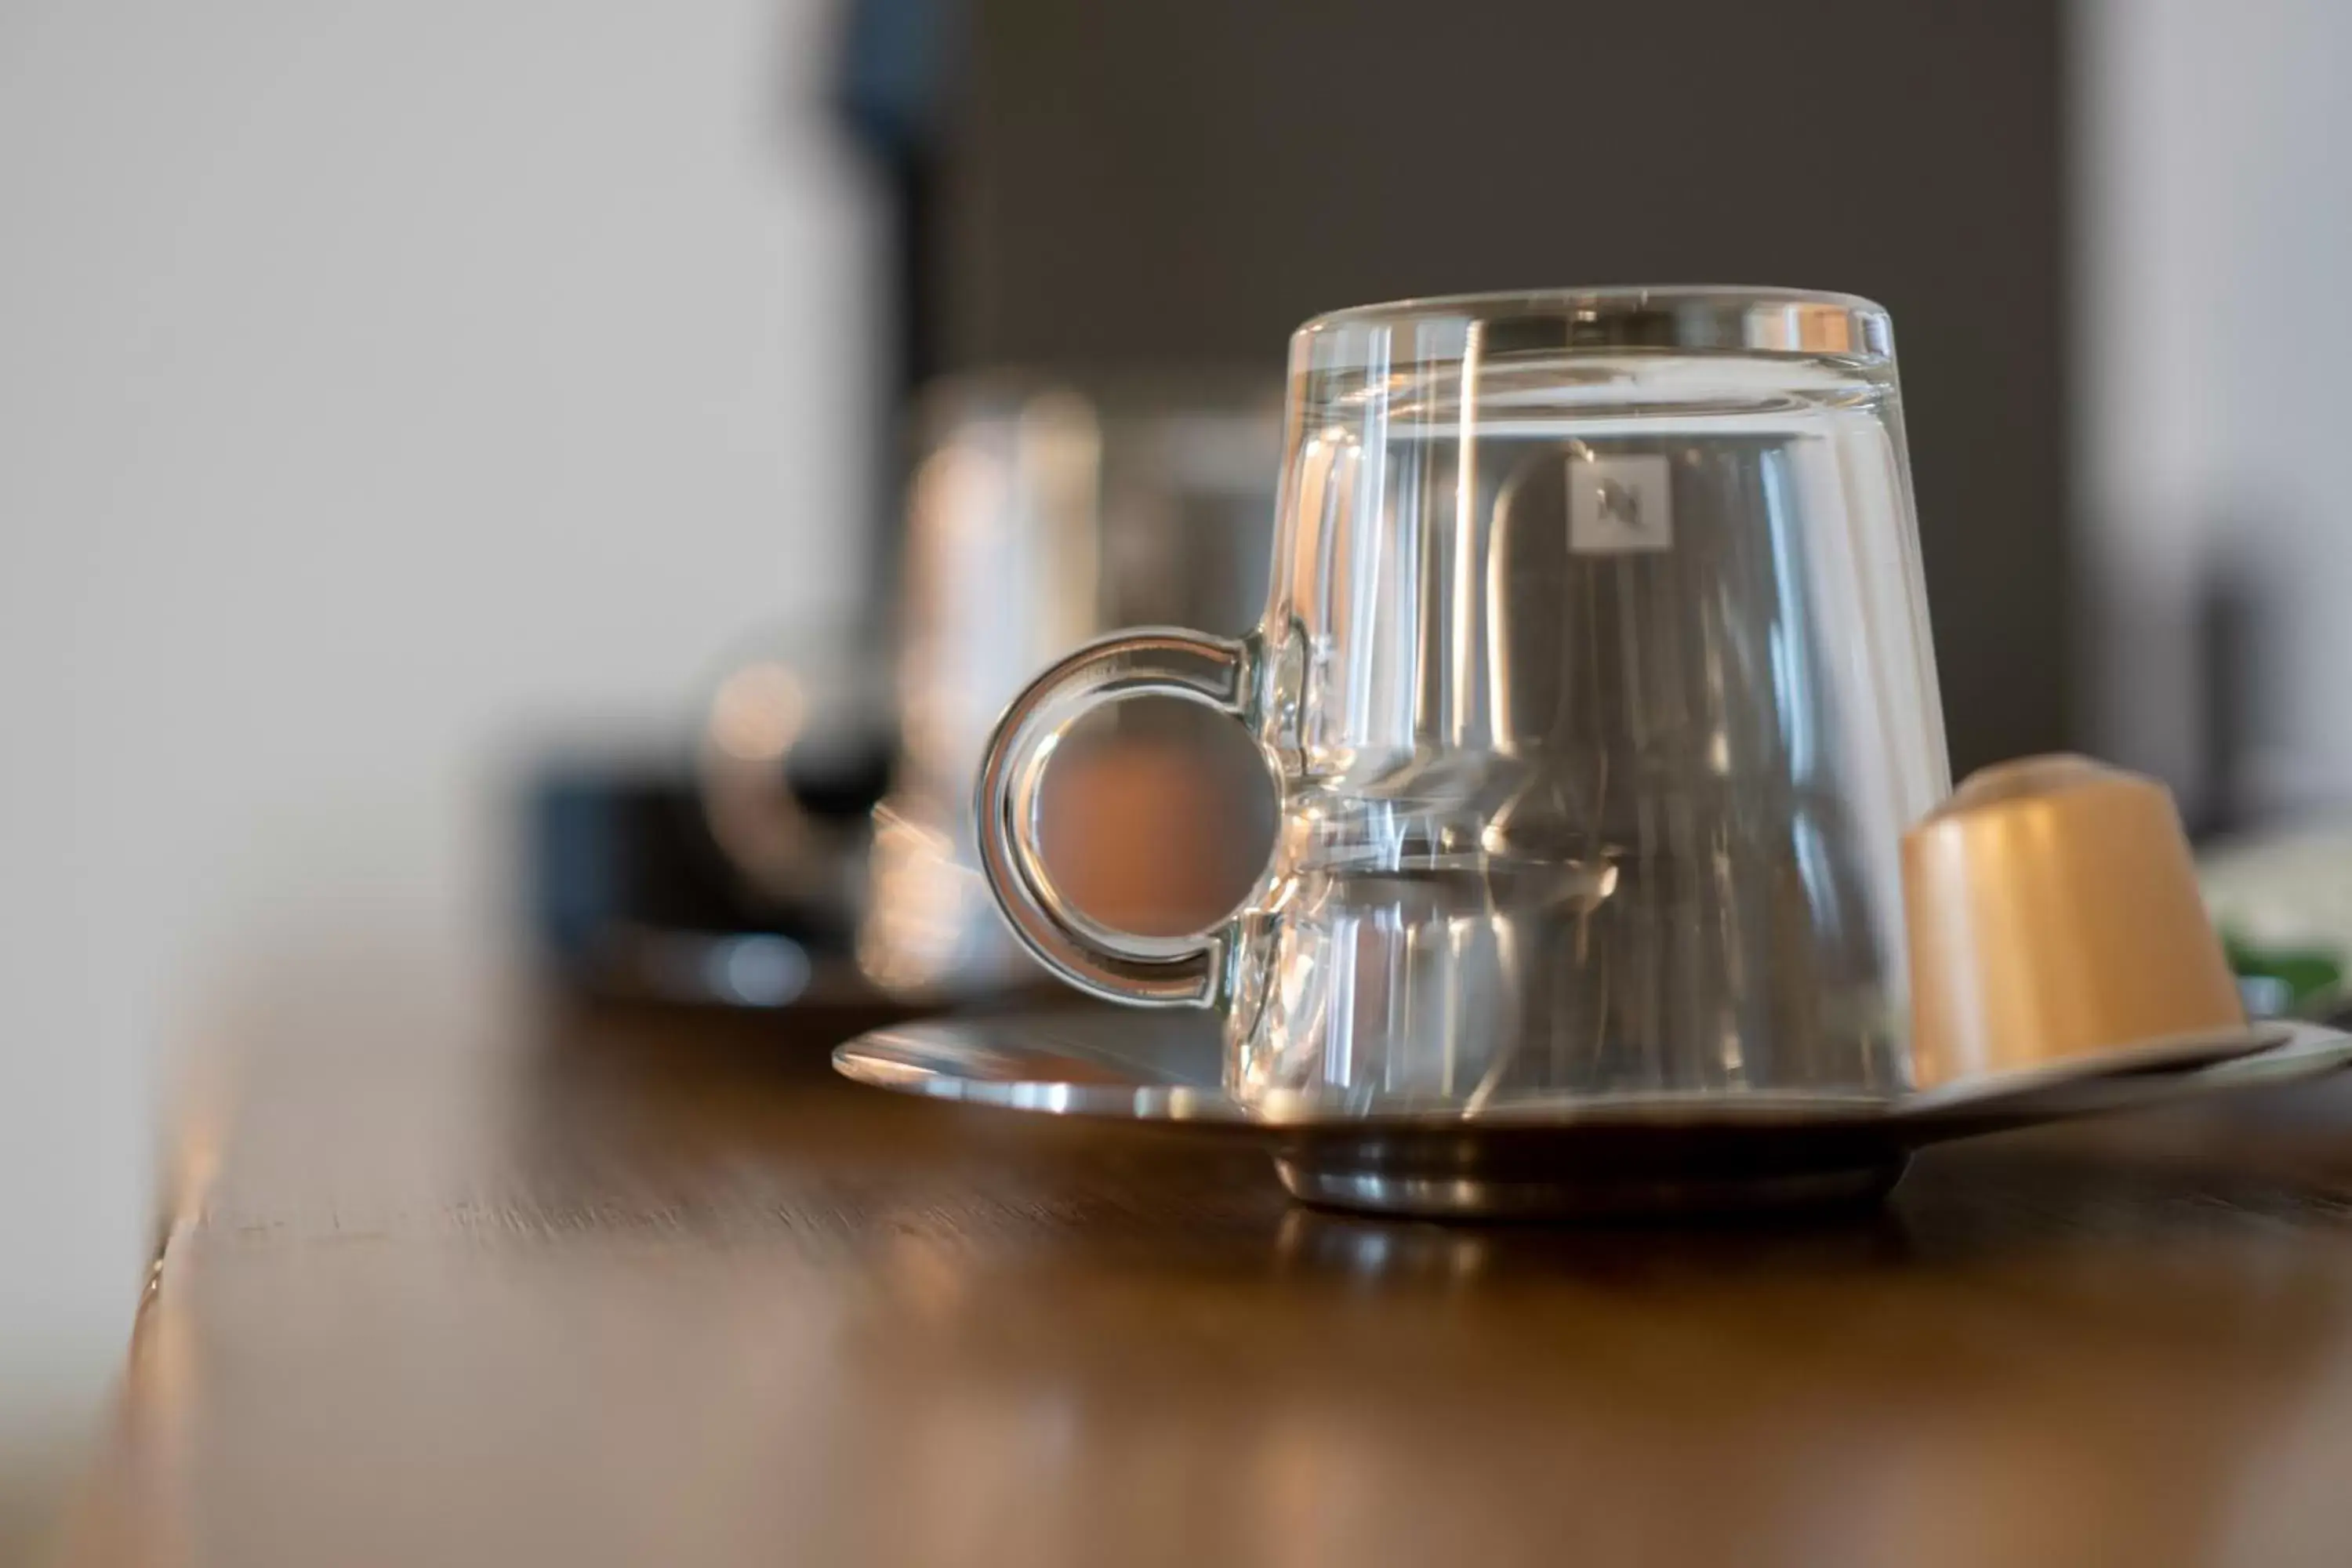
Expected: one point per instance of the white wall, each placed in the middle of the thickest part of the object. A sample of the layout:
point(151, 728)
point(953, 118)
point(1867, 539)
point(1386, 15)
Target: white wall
point(381, 385)
point(2216, 285)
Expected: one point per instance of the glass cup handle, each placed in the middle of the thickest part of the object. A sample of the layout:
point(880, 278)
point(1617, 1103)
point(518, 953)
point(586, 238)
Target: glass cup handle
point(1122, 966)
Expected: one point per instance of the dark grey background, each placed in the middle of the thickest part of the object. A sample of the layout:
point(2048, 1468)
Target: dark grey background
point(1182, 181)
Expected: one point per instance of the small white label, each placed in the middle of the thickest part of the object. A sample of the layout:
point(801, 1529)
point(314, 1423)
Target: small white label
point(1617, 505)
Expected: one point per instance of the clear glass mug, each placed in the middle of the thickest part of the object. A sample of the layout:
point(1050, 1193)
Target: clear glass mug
point(1596, 687)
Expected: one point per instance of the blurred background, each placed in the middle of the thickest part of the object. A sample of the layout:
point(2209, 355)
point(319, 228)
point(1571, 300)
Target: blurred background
point(410, 414)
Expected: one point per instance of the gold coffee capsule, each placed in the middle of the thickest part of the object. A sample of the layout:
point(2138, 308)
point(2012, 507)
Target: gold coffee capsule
point(2053, 913)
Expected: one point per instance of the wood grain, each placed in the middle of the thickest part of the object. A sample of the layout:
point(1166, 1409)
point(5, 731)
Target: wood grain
point(637, 1287)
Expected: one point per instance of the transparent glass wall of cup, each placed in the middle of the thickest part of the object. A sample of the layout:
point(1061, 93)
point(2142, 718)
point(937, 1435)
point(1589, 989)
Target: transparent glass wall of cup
point(1595, 675)
point(1042, 513)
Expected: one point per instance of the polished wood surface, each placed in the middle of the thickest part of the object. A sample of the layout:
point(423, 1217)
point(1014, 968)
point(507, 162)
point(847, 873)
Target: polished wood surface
point(633, 1286)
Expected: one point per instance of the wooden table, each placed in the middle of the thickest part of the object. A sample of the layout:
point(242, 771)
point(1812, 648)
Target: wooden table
point(635, 1286)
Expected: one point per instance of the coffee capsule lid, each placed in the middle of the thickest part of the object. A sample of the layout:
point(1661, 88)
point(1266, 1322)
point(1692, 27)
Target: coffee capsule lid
point(2052, 912)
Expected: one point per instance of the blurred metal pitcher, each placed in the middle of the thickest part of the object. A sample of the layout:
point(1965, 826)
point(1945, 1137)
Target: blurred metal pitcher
point(1040, 514)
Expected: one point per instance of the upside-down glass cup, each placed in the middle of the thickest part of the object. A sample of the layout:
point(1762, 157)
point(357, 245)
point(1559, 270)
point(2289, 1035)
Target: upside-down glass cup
point(1596, 686)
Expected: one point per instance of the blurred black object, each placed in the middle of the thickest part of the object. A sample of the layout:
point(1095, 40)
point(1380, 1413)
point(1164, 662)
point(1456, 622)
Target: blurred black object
point(901, 67)
point(2229, 622)
point(900, 63)
point(630, 897)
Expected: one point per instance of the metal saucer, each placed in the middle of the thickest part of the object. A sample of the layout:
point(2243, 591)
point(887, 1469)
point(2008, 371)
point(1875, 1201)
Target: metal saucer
point(1584, 1156)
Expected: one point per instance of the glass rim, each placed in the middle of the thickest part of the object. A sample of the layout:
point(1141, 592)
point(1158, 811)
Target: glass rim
point(1690, 317)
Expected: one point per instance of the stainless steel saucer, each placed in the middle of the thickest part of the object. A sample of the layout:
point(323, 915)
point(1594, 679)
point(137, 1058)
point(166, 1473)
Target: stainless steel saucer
point(1593, 1156)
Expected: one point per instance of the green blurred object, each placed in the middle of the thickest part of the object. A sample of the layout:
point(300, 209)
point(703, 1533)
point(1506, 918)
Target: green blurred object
point(2308, 975)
